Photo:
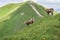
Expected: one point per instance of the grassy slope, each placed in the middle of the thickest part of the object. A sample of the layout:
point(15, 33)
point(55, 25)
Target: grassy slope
point(16, 22)
point(6, 10)
point(45, 29)
point(40, 9)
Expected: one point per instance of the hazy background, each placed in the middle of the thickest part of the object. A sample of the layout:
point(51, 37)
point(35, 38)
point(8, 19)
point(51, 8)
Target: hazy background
point(47, 3)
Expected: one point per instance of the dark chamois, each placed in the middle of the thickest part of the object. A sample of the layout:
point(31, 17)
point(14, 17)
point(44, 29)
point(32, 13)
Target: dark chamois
point(28, 22)
point(49, 10)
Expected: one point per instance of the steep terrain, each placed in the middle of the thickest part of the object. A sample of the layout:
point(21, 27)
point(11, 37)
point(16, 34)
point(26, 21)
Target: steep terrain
point(44, 29)
point(5, 11)
point(15, 23)
point(8, 8)
point(12, 27)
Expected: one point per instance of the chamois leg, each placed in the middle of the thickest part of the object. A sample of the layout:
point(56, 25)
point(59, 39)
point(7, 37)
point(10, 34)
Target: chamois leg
point(27, 24)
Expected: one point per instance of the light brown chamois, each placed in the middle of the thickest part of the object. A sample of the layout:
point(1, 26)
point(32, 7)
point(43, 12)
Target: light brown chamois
point(28, 22)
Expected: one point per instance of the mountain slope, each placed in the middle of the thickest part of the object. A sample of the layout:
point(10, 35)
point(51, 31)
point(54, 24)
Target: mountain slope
point(44, 29)
point(5, 11)
point(16, 21)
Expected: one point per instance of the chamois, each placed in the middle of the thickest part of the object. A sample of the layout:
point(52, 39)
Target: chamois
point(28, 22)
point(49, 10)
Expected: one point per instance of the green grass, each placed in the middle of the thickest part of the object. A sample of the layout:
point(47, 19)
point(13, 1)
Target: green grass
point(6, 9)
point(16, 21)
point(43, 29)
point(13, 28)
point(47, 28)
